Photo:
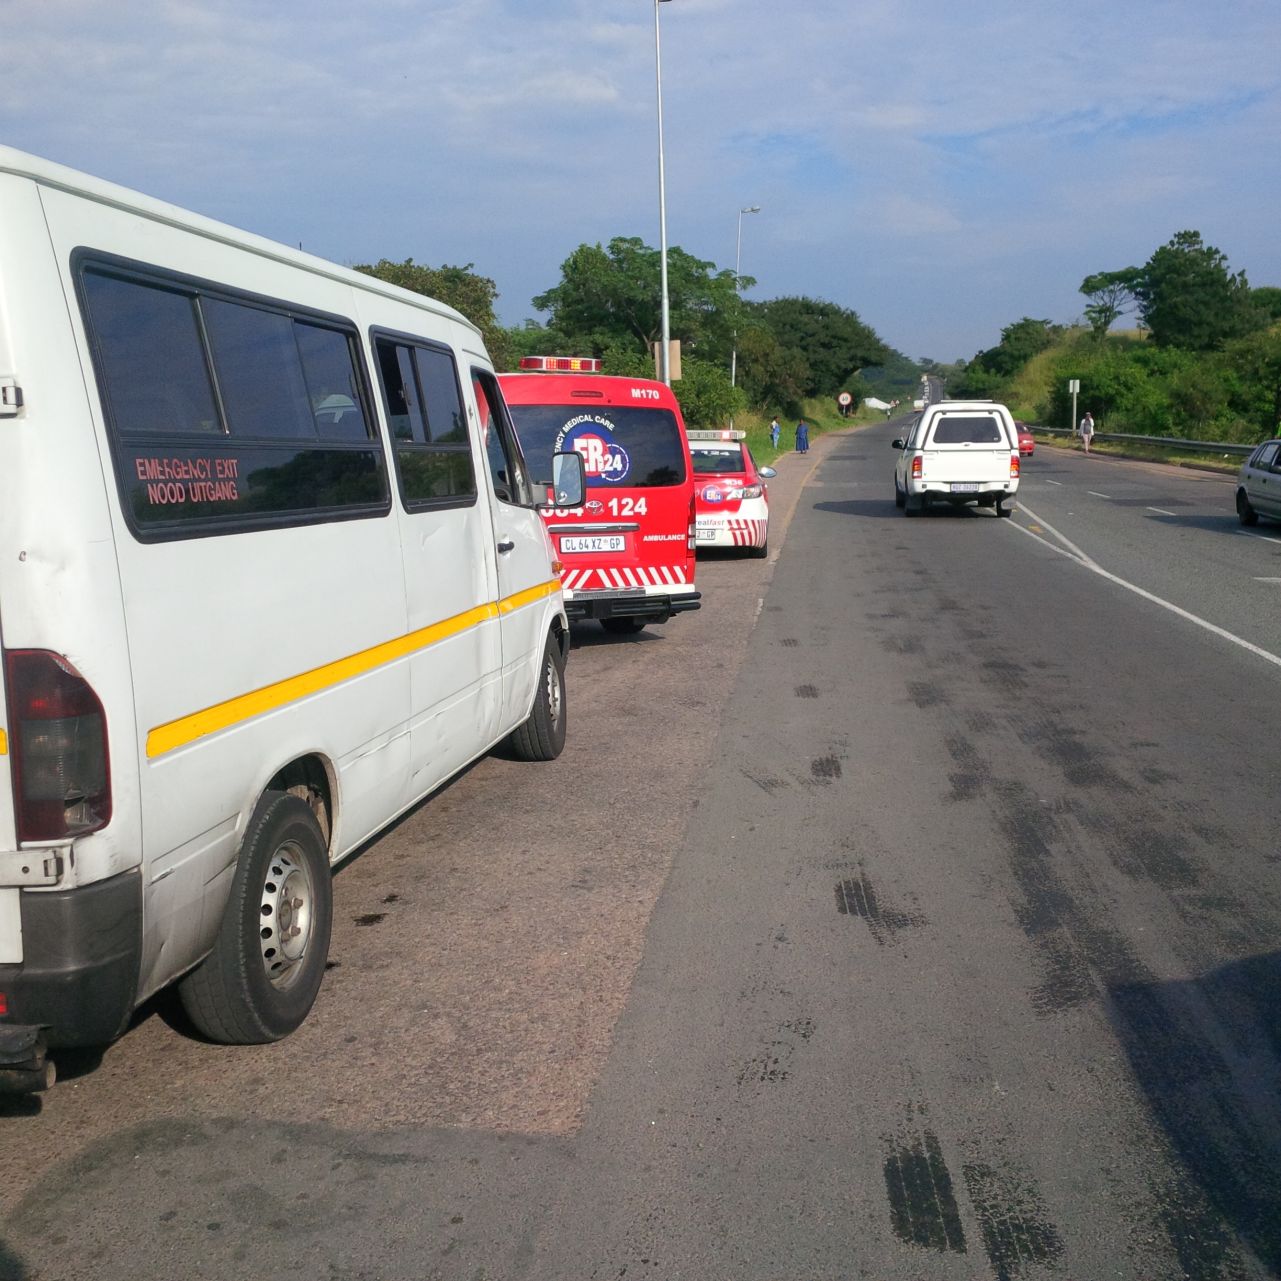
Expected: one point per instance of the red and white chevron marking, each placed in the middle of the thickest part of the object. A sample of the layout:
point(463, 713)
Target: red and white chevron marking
point(607, 579)
point(746, 533)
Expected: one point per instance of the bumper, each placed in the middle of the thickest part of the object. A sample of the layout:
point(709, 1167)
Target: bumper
point(733, 531)
point(625, 604)
point(78, 980)
point(942, 492)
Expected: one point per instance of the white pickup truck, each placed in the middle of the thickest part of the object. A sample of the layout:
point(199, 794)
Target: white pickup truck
point(958, 451)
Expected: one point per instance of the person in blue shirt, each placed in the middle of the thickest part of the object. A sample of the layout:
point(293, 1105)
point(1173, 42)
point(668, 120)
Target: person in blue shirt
point(802, 437)
point(775, 431)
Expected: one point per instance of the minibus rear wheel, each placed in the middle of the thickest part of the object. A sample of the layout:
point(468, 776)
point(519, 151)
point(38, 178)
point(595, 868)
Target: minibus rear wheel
point(542, 736)
point(261, 978)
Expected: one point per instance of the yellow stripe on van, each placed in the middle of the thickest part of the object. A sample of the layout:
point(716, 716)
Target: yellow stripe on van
point(4, 744)
point(167, 738)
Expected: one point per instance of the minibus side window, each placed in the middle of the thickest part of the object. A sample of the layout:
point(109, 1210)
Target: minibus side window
point(259, 371)
point(329, 370)
point(506, 465)
point(224, 414)
point(433, 456)
point(143, 332)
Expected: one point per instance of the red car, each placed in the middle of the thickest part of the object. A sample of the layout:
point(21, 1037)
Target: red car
point(1026, 441)
point(730, 496)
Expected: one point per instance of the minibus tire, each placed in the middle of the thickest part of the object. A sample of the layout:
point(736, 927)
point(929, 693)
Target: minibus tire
point(231, 996)
point(542, 736)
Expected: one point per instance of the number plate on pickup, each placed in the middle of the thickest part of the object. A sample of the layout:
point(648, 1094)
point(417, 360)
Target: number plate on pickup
point(964, 487)
point(594, 543)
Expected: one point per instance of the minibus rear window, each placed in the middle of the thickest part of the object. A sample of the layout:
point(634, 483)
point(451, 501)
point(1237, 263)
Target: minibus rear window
point(623, 447)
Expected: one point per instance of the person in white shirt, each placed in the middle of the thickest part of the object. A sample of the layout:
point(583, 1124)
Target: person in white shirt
point(1087, 430)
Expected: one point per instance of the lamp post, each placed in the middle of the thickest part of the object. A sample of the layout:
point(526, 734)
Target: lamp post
point(664, 370)
point(738, 257)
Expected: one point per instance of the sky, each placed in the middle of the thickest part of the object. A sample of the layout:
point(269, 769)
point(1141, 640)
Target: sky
point(943, 169)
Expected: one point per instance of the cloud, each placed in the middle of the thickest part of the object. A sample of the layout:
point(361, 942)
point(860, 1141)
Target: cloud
point(1015, 146)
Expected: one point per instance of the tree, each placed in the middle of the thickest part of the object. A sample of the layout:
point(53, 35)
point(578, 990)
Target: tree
point(771, 375)
point(1019, 343)
point(459, 287)
point(1188, 298)
point(1111, 295)
point(834, 343)
point(608, 296)
point(1022, 340)
point(1256, 360)
point(1268, 299)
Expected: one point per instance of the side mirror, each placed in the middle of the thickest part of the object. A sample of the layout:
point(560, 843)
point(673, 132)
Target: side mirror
point(569, 481)
point(767, 473)
point(897, 444)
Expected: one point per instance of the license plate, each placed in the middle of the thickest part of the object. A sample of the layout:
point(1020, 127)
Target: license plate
point(594, 543)
point(705, 533)
point(966, 488)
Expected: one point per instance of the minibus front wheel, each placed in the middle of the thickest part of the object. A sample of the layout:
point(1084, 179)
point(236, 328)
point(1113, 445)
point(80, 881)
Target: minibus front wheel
point(542, 736)
point(261, 978)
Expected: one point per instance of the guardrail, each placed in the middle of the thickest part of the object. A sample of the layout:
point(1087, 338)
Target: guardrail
point(1169, 442)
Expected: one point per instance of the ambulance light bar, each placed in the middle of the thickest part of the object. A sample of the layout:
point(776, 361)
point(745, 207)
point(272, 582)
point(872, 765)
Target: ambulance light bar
point(724, 434)
point(561, 364)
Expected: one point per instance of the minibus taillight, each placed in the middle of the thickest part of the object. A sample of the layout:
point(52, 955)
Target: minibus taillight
point(58, 732)
point(691, 542)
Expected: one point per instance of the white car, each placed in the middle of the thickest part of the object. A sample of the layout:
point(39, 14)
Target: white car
point(958, 452)
point(1259, 484)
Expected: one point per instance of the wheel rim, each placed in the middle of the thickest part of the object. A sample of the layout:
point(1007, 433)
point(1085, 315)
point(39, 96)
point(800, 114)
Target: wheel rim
point(551, 678)
point(287, 915)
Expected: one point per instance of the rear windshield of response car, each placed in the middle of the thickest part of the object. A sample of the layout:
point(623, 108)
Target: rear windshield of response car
point(623, 447)
point(968, 429)
point(714, 460)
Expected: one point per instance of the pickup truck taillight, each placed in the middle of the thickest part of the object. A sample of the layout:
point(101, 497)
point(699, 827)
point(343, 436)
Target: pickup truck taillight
point(1014, 466)
point(916, 467)
point(61, 769)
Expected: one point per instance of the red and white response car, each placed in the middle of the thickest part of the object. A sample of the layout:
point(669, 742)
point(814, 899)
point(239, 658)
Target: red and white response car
point(627, 554)
point(731, 500)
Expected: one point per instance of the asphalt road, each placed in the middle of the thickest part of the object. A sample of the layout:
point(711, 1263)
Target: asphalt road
point(912, 911)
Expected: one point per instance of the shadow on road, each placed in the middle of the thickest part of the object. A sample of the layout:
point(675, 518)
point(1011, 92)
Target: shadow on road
point(1207, 1055)
point(876, 508)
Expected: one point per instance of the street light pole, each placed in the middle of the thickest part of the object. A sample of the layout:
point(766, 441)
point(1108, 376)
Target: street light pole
point(738, 258)
point(664, 369)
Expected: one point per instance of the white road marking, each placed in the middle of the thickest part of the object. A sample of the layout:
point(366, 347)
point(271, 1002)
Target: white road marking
point(1079, 556)
point(1261, 537)
point(1268, 580)
point(1094, 494)
point(1160, 511)
point(1059, 483)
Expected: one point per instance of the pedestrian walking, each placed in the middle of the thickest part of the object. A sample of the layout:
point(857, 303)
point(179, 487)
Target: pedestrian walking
point(1087, 430)
point(775, 431)
point(802, 437)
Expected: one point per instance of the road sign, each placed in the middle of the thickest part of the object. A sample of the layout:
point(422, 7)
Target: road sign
point(845, 398)
point(1074, 385)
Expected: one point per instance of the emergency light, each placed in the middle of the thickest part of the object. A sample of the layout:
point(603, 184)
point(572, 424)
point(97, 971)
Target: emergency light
point(724, 434)
point(561, 364)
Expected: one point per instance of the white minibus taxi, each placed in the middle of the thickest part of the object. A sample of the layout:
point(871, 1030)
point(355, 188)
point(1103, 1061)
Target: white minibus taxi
point(271, 570)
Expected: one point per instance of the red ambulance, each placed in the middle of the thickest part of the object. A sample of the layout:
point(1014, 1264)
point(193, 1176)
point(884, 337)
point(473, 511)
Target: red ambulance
point(627, 554)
